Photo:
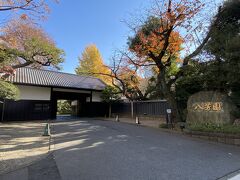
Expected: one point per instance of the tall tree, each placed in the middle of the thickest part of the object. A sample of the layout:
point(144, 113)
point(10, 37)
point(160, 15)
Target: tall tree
point(158, 39)
point(224, 44)
point(91, 63)
point(23, 44)
point(223, 71)
point(127, 79)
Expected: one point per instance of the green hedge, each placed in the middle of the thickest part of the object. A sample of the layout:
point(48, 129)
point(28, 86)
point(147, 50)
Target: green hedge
point(227, 128)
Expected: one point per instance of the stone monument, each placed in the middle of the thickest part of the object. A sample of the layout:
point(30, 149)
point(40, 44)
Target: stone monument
point(210, 107)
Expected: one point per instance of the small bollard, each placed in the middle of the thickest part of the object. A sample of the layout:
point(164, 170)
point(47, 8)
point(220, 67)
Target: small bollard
point(137, 120)
point(117, 119)
point(47, 130)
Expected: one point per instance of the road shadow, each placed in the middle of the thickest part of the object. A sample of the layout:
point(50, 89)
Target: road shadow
point(21, 143)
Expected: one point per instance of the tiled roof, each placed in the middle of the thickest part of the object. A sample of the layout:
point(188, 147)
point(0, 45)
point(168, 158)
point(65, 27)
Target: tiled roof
point(31, 76)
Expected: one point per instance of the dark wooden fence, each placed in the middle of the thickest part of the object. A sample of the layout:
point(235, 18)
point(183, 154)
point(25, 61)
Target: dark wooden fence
point(33, 110)
point(94, 109)
point(141, 108)
point(25, 110)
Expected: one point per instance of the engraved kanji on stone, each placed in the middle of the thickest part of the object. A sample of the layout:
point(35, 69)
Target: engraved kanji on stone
point(198, 106)
point(207, 106)
point(217, 106)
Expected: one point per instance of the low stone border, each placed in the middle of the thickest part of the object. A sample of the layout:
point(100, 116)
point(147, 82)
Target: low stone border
point(233, 139)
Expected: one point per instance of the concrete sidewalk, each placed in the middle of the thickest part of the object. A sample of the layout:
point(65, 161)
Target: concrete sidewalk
point(21, 144)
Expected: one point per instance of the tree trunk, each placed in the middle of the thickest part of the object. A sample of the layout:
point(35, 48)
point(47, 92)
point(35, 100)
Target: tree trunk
point(169, 96)
point(175, 111)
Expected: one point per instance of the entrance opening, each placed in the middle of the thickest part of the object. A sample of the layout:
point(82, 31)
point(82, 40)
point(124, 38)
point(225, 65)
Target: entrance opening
point(66, 109)
point(76, 99)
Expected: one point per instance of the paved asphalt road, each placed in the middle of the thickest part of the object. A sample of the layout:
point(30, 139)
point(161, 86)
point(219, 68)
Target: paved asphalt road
point(103, 150)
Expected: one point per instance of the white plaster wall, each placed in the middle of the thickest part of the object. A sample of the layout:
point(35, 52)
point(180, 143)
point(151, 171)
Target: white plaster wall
point(96, 96)
point(34, 93)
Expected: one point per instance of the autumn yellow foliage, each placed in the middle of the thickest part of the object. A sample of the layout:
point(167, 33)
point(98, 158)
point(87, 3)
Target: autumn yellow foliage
point(91, 64)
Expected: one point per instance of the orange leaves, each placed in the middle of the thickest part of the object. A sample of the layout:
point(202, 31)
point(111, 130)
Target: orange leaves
point(16, 33)
point(154, 42)
point(175, 42)
point(128, 75)
point(159, 36)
